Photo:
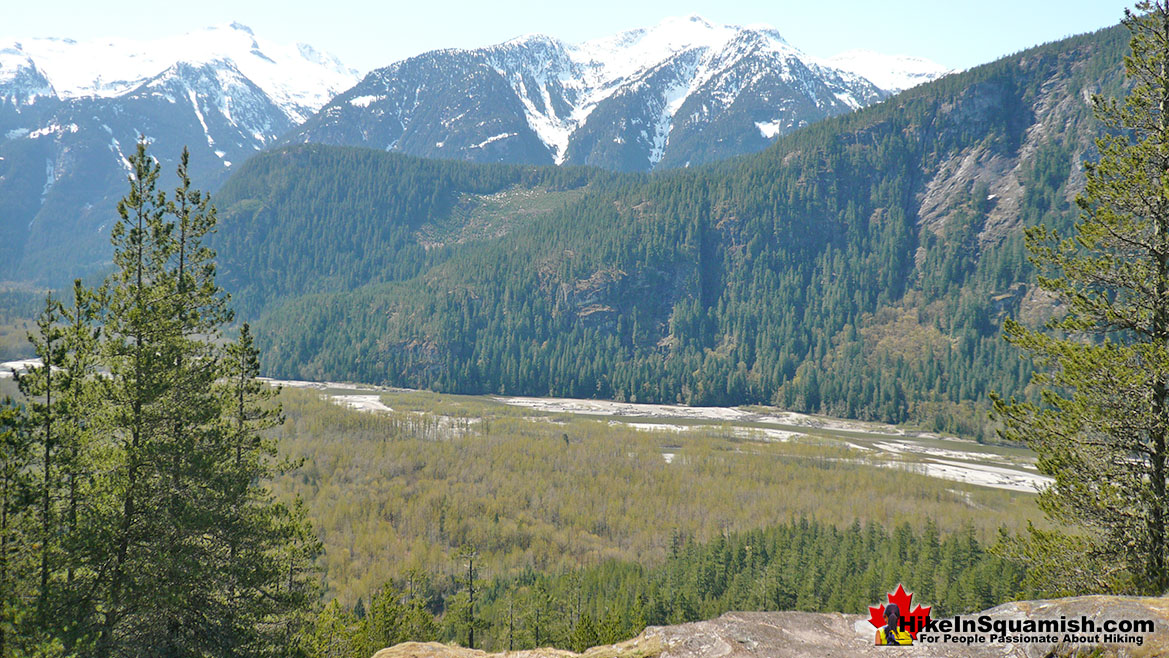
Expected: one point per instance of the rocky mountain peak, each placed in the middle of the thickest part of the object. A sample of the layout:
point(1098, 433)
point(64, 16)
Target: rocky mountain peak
point(74, 108)
point(890, 72)
point(235, 25)
point(681, 92)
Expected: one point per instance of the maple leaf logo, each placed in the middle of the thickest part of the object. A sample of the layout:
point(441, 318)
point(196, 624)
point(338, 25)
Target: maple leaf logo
point(911, 621)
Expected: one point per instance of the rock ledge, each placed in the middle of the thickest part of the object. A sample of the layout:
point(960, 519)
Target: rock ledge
point(836, 635)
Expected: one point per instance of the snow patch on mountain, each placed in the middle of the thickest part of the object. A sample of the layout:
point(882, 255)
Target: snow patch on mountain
point(673, 96)
point(199, 116)
point(116, 148)
point(768, 129)
point(890, 72)
point(493, 138)
point(50, 178)
point(364, 101)
point(51, 129)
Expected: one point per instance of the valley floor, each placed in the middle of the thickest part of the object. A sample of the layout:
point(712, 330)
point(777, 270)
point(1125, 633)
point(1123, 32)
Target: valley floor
point(883, 445)
point(887, 446)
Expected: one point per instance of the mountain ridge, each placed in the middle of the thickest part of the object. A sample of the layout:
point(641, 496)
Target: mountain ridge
point(620, 102)
point(69, 111)
point(297, 77)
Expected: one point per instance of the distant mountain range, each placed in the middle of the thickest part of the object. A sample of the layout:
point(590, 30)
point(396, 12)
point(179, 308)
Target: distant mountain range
point(71, 111)
point(683, 92)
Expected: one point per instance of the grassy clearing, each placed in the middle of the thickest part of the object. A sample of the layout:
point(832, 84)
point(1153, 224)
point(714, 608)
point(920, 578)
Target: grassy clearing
point(482, 217)
point(14, 339)
point(457, 406)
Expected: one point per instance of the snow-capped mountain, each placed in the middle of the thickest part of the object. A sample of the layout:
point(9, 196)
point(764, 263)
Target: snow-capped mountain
point(71, 111)
point(889, 72)
point(683, 92)
point(297, 78)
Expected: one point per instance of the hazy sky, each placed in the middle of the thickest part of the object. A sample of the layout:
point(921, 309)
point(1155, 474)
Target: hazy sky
point(368, 34)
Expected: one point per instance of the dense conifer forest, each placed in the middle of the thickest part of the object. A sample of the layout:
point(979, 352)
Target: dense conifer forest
point(801, 565)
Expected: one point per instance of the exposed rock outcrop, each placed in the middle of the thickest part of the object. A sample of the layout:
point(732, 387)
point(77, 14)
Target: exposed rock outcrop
point(836, 635)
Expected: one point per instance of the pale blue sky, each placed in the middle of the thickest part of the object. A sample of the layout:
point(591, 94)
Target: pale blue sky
point(367, 34)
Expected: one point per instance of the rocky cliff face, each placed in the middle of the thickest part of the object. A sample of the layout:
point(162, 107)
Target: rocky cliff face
point(835, 635)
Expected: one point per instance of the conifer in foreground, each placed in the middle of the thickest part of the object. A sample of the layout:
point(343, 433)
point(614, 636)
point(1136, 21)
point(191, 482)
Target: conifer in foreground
point(1102, 428)
point(142, 437)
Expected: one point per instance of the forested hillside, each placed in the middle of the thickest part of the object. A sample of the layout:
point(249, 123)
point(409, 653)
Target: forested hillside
point(319, 219)
point(859, 267)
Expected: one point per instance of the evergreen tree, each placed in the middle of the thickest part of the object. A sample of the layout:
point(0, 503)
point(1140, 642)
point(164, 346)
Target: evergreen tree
point(16, 532)
point(1103, 425)
point(79, 458)
point(267, 548)
point(332, 635)
point(44, 407)
point(137, 327)
point(134, 513)
point(468, 554)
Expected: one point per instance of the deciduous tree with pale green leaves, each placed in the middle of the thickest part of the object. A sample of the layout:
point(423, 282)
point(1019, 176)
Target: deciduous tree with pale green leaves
point(1101, 427)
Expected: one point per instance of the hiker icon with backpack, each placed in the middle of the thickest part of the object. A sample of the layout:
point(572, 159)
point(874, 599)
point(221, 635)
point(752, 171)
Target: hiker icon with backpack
point(891, 632)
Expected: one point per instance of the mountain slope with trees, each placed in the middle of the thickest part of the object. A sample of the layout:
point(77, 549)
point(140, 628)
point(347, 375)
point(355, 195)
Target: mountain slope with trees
point(859, 267)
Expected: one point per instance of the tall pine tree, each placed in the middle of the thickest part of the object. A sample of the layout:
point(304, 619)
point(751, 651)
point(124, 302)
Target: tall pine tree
point(1102, 427)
